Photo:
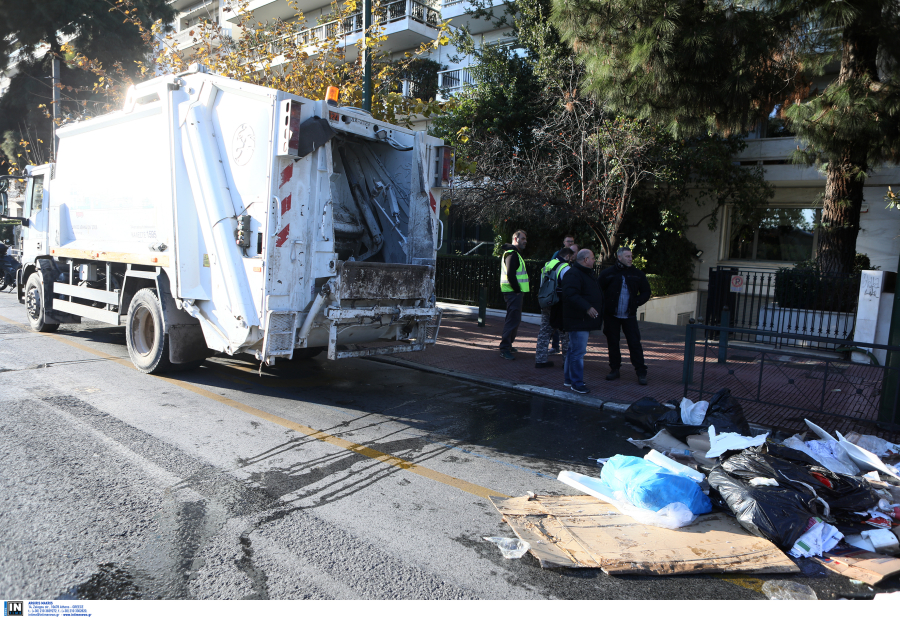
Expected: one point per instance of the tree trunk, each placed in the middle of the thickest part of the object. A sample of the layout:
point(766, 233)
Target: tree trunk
point(844, 182)
point(840, 215)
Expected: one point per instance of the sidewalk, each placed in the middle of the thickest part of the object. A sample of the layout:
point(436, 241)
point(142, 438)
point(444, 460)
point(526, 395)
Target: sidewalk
point(465, 350)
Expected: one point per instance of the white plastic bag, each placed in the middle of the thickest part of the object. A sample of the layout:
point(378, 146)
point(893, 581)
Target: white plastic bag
point(829, 454)
point(693, 413)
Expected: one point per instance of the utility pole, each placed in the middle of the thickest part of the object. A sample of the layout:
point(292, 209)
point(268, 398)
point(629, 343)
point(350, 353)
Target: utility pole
point(55, 77)
point(367, 57)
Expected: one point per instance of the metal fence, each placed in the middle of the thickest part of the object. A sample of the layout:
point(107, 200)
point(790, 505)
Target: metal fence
point(782, 303)
point(461, 279)
point(835, 393)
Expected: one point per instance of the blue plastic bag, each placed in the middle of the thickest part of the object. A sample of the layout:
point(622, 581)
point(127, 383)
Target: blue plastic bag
point(651, 487)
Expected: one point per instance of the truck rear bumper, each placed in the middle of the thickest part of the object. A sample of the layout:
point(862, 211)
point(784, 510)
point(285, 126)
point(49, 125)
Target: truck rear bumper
point(426, 323)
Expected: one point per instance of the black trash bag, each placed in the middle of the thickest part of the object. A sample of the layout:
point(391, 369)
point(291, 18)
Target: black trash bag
point(779, 514)
point(670, 420)
point(843, 493)
point(644, 413)
point(724, 412)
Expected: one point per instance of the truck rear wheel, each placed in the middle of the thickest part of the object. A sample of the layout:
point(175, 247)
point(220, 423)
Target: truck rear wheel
point(148, 345)
point(36, 305)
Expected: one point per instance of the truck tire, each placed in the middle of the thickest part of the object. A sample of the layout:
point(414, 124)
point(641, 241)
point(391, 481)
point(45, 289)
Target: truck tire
point(36, 306)
point(148, 344)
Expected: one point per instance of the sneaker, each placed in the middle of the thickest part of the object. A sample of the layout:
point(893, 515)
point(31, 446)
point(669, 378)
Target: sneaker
point(642, 380)
point(513, 350)
point(584, 390)
point(613, 375)
point(507, 355)
point(543, 365)
point(552, 351)
point(567, 383)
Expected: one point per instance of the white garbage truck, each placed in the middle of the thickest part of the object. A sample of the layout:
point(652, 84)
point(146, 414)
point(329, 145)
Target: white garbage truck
point(215, 215)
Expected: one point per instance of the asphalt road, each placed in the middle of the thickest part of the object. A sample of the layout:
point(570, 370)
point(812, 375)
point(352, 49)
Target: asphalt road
point(219, 483)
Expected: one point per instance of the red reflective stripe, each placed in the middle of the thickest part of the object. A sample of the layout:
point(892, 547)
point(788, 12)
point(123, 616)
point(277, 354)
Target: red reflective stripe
point(282, 235)
point(286, 204)
point(286, 174)
point(432, 202)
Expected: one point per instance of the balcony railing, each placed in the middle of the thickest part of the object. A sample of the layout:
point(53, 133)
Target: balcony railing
point(455, 80)
point(184, 38)
point(352, 24)
point(452, 2)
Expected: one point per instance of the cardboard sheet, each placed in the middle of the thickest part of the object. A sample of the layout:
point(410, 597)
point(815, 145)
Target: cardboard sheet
point(583, 532)
point(860, 564)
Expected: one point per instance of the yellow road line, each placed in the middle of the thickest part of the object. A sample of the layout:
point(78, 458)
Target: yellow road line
point(750, 583)
point(327, 438)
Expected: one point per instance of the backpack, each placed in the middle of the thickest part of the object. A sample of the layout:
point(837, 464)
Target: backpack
point(548, 292)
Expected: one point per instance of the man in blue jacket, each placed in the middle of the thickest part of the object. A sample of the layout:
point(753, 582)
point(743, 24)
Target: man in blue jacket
point(582, 303)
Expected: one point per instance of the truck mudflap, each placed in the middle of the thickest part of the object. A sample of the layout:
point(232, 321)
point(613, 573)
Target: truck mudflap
point(425, 332)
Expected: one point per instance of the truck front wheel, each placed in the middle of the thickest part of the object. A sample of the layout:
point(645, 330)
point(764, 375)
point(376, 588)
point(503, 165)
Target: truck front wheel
point(148, 345)
point(36, 305)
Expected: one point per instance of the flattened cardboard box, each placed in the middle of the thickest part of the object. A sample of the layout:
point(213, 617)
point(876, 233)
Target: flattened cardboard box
point(860, 564)
point(583, 532)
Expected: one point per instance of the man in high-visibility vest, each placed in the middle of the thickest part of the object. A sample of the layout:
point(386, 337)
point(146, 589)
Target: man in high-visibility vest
point(514, 285)
point(551, 317)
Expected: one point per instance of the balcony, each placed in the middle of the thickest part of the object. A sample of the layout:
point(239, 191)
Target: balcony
point(455, 11)
point(455, 80)
point(407, 24)
point(183, 40)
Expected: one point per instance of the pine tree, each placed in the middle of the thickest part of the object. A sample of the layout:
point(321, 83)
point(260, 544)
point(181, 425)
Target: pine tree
point(720, 66)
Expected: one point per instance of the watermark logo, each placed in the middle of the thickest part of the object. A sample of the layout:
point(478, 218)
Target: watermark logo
point(13, 608)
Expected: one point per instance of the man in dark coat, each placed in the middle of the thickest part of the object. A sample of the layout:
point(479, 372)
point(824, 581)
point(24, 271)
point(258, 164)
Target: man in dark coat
point(582, 303)
point(625, 288)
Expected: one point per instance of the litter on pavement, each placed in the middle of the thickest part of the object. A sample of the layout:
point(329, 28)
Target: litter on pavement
point(583, 532)
point(709, 496)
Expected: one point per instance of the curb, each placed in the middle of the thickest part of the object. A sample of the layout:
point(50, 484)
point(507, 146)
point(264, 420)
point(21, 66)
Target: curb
point(549, 393)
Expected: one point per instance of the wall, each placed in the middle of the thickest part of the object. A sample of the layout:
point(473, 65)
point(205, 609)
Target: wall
point(879, 236)
point(665, 309)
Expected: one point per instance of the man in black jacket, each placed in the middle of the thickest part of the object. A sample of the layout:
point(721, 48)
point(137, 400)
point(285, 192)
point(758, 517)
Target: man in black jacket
point(625, 288)
point(582, 302)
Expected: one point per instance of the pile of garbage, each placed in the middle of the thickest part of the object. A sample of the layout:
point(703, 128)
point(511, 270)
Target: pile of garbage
point(807, 496)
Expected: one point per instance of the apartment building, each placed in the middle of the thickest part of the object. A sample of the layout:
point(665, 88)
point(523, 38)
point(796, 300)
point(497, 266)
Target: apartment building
point(189, 14)
point(407, 25)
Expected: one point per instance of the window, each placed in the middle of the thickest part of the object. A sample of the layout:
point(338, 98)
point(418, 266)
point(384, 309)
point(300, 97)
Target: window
point(35, 197)
point(774, 234)
point(684, 319)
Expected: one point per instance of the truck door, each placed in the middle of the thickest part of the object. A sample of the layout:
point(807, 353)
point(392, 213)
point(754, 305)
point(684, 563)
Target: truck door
point(35, 235)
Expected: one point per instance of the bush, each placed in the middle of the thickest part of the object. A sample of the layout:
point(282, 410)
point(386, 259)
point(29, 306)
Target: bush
point(665, 285)
point(806, 287)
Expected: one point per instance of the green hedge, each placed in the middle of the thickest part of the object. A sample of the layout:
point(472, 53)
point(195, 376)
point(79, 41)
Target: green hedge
point(802, 288)
point(665, 285)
